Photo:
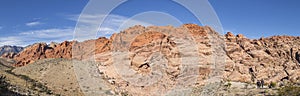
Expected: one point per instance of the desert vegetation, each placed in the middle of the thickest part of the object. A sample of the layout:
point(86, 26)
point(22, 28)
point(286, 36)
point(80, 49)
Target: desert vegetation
point(289, 90)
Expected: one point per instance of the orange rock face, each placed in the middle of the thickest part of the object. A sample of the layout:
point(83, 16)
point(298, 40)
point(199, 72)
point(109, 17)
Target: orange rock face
point(62, 50)
point(42, 50)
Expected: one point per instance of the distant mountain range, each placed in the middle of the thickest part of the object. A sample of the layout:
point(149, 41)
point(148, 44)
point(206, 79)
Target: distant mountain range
point(9, 51)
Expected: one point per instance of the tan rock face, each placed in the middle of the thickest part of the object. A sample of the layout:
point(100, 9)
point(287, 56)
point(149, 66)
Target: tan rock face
point(271, 58)
point(160, 58)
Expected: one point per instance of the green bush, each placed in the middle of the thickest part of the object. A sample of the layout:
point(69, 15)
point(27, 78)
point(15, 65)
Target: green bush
point(272, 85)
point(228, 85)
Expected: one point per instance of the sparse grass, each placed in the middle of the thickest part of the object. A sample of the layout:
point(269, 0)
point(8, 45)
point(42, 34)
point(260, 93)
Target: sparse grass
point(289, 90)
point(124, 94)
point(45, 73)
point(4, 87)
point(32, 84)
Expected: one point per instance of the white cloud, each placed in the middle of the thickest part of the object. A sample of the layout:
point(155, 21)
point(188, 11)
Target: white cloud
point(49, 33)
point(35, 36)
point(87, 24)
point(87, 27)
point(33, 23)
point(12, 40)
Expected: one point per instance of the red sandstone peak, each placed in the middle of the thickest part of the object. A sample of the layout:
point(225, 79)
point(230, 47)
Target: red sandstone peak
point(229, 35)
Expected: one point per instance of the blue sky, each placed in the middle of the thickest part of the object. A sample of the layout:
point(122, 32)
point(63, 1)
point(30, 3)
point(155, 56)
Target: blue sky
point(25, 22)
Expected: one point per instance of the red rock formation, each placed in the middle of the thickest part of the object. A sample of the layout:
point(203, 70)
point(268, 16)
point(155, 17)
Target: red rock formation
point(62, 50)
point(42, 50)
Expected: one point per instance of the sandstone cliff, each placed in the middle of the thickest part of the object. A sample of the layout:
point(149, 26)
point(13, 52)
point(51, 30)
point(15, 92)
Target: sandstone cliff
point(272, 59)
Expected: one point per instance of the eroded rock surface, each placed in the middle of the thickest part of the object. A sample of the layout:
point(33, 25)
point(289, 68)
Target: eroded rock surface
point(272, 59)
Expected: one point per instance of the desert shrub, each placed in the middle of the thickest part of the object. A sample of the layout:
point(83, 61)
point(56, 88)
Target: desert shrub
point(124, 94)
point(4, 87)
point(272, 85)
point(228, 85)
point(289, 90)
point(3, 84)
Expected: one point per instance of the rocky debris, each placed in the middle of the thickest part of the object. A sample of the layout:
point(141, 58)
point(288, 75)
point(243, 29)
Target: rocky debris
point(9, 51)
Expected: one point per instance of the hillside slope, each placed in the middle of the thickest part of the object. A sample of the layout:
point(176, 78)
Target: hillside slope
point(57, 74)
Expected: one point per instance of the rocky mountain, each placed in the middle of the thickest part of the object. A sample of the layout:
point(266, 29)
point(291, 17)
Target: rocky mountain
point(42, 50)
point(60, 50)
point(10, 51)
point(272, 59)
point(179, 55)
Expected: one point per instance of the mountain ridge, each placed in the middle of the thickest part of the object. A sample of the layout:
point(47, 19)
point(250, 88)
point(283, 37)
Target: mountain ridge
point(245, 60)
point(8, 51)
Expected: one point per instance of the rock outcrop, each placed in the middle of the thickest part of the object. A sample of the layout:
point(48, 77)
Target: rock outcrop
point(42, 50)
point(62, 50)
point(272, 59)
point(153, 60)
